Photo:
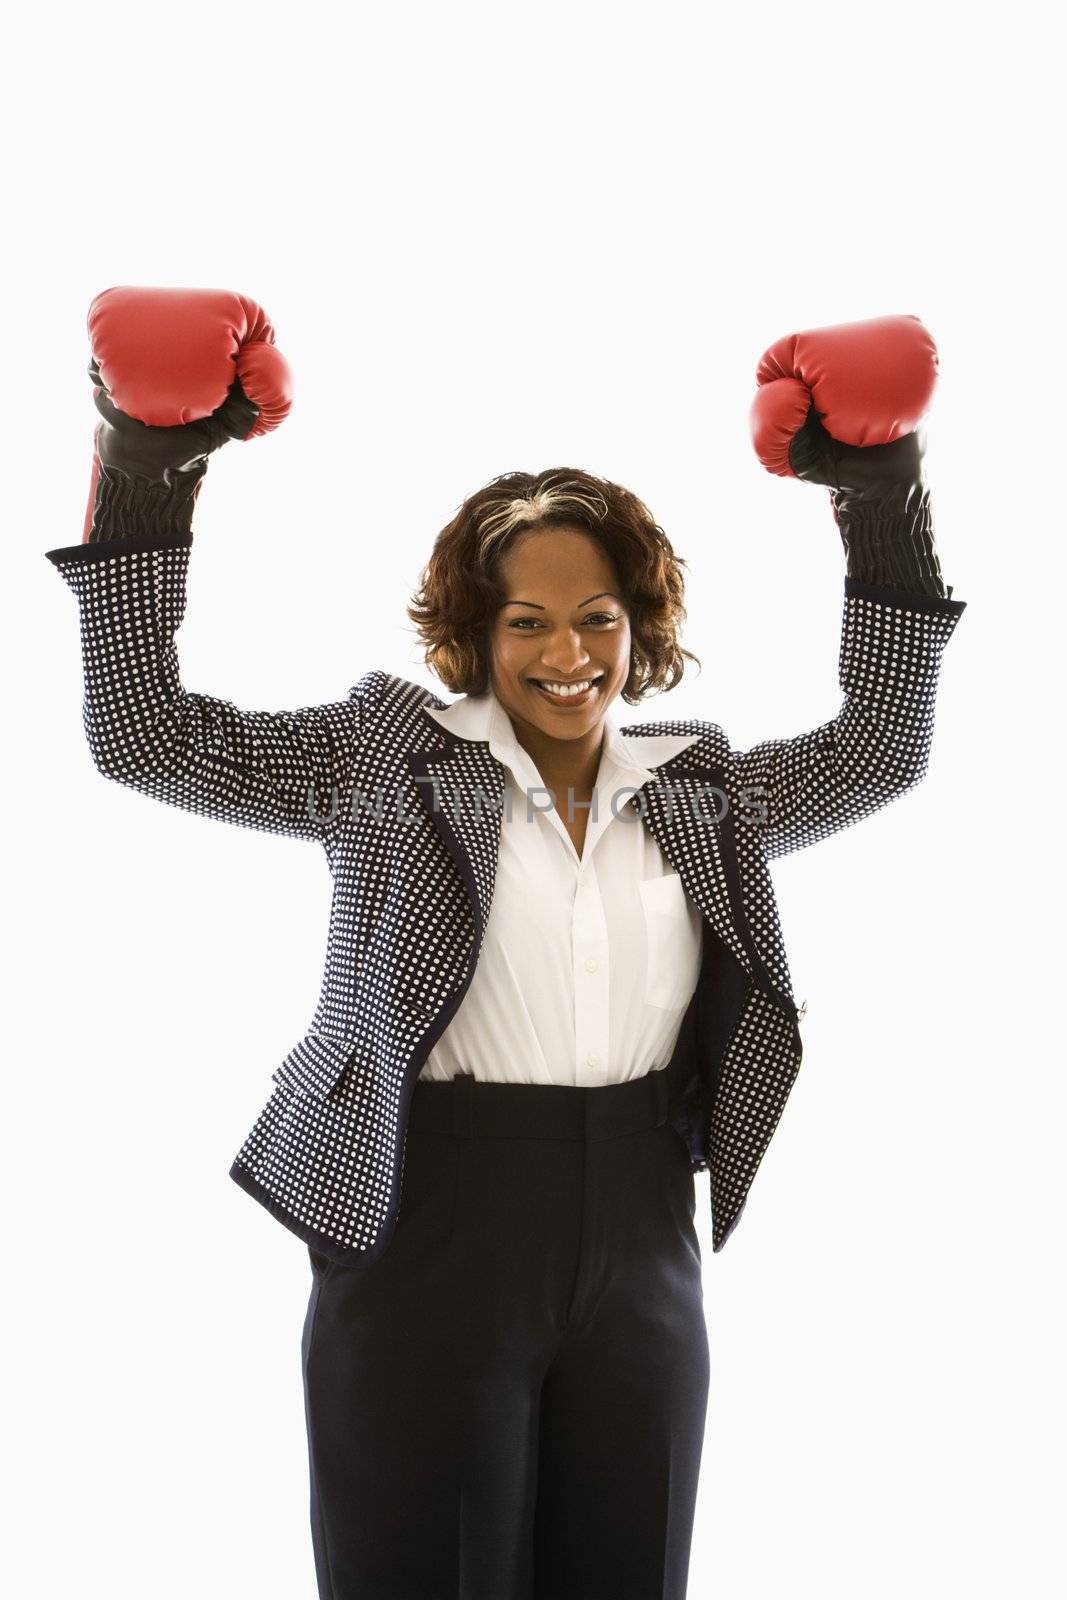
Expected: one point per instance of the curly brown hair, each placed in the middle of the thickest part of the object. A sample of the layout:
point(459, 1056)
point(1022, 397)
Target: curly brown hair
point(460, 593)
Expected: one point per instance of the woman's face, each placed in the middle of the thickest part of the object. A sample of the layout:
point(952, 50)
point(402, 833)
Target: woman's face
point(564, 622)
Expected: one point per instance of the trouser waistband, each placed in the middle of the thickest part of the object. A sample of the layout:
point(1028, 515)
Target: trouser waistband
point(469, 1109)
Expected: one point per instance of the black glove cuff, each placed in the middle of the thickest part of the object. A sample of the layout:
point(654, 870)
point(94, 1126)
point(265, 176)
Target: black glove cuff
point(891, 546)
point(127, 504)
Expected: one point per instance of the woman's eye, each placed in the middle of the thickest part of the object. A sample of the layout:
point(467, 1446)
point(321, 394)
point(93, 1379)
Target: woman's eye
point(525, 624)
point(519, 623)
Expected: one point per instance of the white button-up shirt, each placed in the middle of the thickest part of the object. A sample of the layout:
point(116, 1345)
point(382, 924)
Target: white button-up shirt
point(588, 962)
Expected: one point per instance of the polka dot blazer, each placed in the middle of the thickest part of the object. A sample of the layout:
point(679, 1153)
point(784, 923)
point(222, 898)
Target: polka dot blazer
point(405, 813)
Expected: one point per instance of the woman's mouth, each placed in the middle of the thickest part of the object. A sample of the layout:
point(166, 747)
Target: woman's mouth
point(558, 693)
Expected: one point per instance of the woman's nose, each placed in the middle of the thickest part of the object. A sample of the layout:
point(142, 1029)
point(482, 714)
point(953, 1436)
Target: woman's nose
point(565, 655)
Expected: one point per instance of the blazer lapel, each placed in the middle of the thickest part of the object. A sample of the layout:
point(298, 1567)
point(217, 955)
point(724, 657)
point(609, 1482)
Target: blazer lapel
point(687, 811)
point(461, 787)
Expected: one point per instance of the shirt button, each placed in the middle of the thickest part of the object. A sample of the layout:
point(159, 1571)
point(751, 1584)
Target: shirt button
point(591, 965)
point(592, 1061)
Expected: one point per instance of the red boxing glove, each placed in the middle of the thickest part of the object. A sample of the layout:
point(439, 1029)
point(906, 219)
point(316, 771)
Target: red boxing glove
point(177, 373)
point(870, 383)
point(841, 406)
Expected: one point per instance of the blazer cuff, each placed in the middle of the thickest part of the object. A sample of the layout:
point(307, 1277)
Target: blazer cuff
point(856, 589)
point(103, 549)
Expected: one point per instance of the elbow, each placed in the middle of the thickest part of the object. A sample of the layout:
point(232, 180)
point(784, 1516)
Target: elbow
point(128, 745)
point(893, 767)
point(108, 766)
point(913, 764)
point(115, 760)
point(906, 775)
point(106, 756)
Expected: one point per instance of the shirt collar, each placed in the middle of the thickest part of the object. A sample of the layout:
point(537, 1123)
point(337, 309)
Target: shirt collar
point(632, 757)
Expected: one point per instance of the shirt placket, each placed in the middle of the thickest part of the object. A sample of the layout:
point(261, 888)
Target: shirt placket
point(590, 954)
point(591, 972)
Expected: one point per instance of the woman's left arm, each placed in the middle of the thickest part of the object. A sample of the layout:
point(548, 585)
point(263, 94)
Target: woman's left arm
point(796, 791)
point(841, 407)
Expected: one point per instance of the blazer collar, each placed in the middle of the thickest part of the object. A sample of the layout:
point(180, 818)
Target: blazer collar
point(483, 719)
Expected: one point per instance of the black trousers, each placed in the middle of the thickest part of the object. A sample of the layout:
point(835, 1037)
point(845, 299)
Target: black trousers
point(510, 1403)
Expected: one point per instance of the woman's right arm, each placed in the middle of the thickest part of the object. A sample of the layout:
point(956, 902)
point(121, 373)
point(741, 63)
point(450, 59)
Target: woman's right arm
point(177, 373)
point(284, 771)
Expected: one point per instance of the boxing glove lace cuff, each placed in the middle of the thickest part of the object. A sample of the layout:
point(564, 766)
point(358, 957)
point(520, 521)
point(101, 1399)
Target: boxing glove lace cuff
point(127, 504)
point(895, 550)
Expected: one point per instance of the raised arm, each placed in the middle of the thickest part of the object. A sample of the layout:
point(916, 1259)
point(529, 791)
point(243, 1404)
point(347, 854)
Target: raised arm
point(841, 407)
point(207, 356)
point(282, 771)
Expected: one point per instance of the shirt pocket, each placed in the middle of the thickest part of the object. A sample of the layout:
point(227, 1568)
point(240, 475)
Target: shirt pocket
point(672, 944)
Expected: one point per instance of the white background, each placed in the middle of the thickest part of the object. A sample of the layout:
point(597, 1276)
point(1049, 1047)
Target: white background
point(494, 237)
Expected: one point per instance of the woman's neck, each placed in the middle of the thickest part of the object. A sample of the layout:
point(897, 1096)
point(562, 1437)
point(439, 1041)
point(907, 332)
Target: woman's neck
point(563, 763)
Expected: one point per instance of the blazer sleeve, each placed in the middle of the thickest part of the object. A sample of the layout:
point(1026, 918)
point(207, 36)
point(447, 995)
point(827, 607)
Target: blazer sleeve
point(797, 791)
point(282, 771)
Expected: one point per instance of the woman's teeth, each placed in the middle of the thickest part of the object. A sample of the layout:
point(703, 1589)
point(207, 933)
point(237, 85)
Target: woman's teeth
point(570, 691)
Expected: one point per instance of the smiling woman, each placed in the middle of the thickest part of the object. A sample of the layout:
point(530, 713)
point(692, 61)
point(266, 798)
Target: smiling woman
point(464, 584)
point(572, 1009)
point(559, 592)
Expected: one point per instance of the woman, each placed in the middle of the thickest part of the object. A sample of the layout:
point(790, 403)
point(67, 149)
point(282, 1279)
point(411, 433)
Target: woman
point(555, 986)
